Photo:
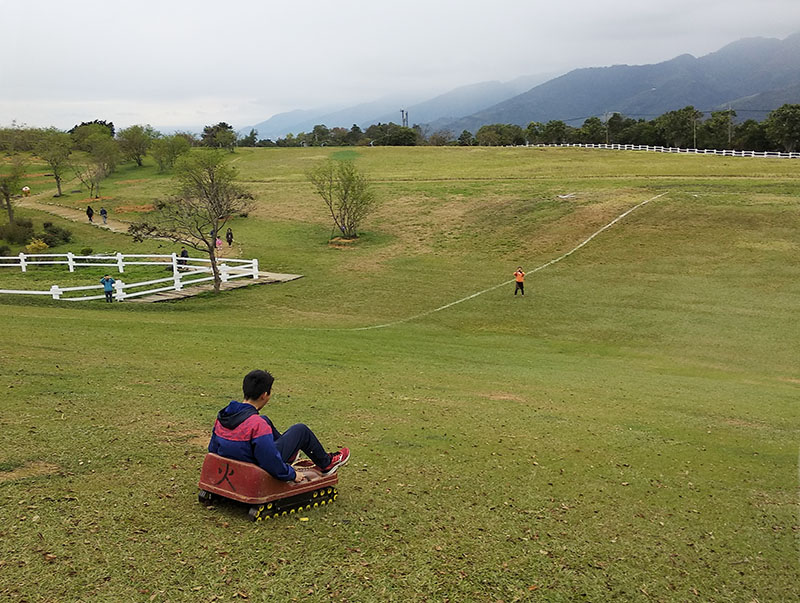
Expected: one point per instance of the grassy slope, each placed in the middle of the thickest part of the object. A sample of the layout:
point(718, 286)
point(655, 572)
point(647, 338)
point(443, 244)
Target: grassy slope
point(627, 428)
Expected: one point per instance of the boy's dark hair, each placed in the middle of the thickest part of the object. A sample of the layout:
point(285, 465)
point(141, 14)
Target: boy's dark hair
point(256, 383)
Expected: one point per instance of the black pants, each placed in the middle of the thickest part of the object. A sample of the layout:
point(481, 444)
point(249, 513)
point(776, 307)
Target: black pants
point(520, 287)
point(300, 437)
point(108, 296)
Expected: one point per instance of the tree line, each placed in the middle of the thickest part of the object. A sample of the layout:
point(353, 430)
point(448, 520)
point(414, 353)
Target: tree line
point(686, 128)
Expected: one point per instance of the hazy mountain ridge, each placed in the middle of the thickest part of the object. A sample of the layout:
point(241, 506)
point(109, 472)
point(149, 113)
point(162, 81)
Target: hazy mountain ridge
point(751, 74)
point(748, 67)
point(450, 105)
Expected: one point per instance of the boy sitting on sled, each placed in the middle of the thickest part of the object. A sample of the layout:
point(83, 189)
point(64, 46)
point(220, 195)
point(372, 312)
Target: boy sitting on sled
point(240, 433)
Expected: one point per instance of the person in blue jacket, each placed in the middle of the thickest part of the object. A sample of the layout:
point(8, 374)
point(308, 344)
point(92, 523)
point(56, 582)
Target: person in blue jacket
point(240, 433)
point(108, 287)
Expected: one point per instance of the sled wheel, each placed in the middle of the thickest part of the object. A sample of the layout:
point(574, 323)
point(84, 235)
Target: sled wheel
point(255, 513)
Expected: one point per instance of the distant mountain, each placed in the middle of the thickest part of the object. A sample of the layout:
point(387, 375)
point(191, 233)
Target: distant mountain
point(465, 100)
point(765, 69)
point(447, 106)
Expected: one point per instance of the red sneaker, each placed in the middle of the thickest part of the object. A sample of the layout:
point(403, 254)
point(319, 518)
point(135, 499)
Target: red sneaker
point(337, 460)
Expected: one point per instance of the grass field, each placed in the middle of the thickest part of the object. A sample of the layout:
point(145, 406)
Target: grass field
point(626, 431)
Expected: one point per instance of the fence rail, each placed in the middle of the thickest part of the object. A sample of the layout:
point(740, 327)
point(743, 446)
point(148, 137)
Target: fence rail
point(658, 149)
point(185, 271)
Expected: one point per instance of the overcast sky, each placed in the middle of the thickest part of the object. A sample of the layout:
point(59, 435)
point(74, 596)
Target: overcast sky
point(186, 63)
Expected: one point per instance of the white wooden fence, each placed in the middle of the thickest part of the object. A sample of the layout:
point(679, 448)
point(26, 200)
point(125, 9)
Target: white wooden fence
point(185, 271)
point(642, 147)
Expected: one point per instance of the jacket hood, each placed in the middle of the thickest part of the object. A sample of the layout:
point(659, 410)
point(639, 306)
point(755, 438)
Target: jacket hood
point(235, 413)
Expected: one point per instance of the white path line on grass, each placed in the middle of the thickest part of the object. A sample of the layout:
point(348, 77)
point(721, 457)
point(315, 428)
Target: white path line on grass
point(503, 284)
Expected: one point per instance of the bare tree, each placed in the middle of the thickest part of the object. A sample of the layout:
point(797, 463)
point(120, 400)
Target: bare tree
point(208, 196)
point(9, 184)
point(91, 176)
point(347, 193)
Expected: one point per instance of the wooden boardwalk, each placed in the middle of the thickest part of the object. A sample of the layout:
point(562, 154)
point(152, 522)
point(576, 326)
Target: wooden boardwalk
point(264, 278)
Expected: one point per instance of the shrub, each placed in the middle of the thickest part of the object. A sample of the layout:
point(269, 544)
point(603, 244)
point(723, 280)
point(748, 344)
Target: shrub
point(87, 251)
point(55, 235)
point(36, 246)
point(19, 233)
point(5, 250)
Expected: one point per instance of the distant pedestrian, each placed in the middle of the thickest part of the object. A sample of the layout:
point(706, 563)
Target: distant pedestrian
point(184, 255)
point(519, 278)
point(229, 237)
point(26, 191)
point(219, 244)
point(104, 214)
point(108, 287)
point(89, 213)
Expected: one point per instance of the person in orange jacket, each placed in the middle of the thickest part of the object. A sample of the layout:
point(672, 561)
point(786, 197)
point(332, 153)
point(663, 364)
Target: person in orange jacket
point(519, 278)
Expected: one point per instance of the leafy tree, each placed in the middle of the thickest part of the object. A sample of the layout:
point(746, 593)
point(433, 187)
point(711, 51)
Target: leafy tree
point(135, 141)
point(465, 139)
point(10, 184)
point(249, 140)
point(391, 135)
point(616, 126)
point(55, 148)
point(208, 195)
point(440, 138)
point(219, 136)
point(593, 131)
point(500, 135)
point(679, 128)
point(104, 152)
point(82, 132)
point(533, 132)
point(354, 136)
point(717, 131)
point(554, 132)
point(783, 127)
point(19, 138)
point(752, 136)
point(166, 150)
point(320, 135)
point(346, 192)
point(338, 136)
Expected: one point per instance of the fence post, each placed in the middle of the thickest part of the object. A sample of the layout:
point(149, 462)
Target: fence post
point(255, 267)
point(55, 292)
point(223, 273)
point(174, 264)
point(22, 264)
point(118, 285)
point(71, 261)
point(120, 262)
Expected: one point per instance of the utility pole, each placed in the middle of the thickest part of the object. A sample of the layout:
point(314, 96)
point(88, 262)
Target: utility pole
point(730, 125)
point(404, 118)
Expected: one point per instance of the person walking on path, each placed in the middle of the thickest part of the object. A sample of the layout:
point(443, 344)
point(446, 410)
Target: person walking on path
point(89, 213)
point(108, 287)
point(219, 244)
point(104, 214)
point(229, 237)
point(519, 279)
point(184, 255)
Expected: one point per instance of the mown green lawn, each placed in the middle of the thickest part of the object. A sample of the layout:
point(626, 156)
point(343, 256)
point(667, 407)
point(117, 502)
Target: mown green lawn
point(627, 430)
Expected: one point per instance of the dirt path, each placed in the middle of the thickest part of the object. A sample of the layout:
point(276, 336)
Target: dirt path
point(75, 215)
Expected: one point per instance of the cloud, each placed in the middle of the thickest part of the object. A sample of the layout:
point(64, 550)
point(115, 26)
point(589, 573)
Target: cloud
point(187, 61)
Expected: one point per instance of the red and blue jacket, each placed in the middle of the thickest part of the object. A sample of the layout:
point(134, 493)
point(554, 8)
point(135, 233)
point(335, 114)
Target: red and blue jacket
point(240, 433)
